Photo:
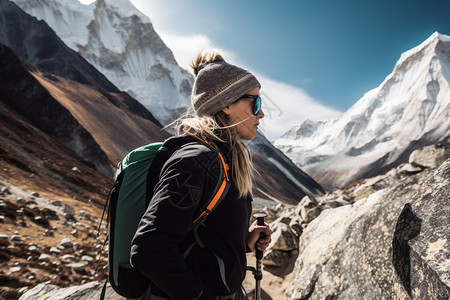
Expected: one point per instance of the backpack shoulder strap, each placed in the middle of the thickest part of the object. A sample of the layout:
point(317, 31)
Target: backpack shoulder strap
point(221, 188)
point(223, 182)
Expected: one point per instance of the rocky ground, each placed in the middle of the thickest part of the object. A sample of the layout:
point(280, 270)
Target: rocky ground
point(52, 239)
point(47, 239)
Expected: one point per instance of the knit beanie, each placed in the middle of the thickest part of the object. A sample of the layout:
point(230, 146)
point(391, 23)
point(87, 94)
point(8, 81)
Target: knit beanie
point(219, 84)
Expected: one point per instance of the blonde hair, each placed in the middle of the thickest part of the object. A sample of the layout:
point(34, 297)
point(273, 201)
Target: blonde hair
point(242, 169)
point(217, 127)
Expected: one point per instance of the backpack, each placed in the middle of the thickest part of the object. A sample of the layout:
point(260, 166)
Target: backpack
point(135, 179)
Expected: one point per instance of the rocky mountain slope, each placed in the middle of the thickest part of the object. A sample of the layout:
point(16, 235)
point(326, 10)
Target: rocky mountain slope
point(122, 44)
point(68, 98)
point(108, 125)
point(410, 109)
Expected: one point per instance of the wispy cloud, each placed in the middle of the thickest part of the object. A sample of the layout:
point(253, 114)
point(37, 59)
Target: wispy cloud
point(284, 105)
point(186, 47)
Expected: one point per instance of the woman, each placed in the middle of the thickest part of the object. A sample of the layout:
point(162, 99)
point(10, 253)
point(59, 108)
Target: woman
point(227, 110)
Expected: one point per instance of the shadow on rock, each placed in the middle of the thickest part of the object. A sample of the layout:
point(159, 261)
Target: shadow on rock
point(408, 227)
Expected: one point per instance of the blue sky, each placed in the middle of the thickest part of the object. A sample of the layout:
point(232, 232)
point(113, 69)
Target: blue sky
point(315, 58)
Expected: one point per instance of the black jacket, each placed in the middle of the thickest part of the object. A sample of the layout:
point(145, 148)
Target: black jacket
point(187, 181)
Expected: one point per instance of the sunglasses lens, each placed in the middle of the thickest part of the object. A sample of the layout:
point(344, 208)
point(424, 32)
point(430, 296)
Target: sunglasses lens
point(257, 106)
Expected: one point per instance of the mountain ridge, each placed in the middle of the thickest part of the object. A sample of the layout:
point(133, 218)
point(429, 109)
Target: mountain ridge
point(115, 122)
point(370, 137)
point(122, 44)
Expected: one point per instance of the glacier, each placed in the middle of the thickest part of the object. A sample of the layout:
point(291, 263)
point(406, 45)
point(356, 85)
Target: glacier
point(410, 108)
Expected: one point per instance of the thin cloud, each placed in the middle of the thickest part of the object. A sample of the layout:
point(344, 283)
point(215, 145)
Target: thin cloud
point(284, 105)
point(186, 47)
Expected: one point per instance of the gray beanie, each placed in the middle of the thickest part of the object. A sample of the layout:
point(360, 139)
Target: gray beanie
point(218, 84)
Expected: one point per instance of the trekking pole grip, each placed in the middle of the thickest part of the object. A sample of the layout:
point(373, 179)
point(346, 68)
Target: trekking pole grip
point(260, 221)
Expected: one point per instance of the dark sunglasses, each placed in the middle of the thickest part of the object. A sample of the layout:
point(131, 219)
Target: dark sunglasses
point(256, 102)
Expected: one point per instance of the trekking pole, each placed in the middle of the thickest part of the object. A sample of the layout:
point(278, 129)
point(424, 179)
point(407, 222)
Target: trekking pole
point(259, 255)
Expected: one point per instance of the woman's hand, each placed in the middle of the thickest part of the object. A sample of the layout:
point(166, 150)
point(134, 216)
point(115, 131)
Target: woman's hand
point(255, 234)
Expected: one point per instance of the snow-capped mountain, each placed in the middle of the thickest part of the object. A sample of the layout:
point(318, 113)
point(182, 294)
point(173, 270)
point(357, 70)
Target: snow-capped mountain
point(410, 108)
point(121, 43)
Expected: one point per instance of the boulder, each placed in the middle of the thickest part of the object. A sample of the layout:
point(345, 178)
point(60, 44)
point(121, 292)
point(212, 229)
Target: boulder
point(69, 209)
point(430, 156)
point(421, 240)
point(57, 203)
point(86, 291)
point(66, 243)
point(274, 258)
point(5, 191)
point(308, 209)
point(44, 258)
point(21, 201)
point(295, 225)
point(283, 238)
point(346, 252)
point(78, 266)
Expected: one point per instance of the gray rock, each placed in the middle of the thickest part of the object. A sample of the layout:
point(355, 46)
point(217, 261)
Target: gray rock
point(33, 248)
point(70, 218)
point(346, 253)
point(49, 233)
point(41, 221)
point(78, 266)
point(54, 250)
point(14, 269)
point(4, 237)
point(44, 258)
point(430, 156)
point(87, 258)
point(69, 209)
point(15, 238)
point(21, 201)
point(56, 203)
point(282, 237)
point(35, 194)
point(421, 241)
point(275, 258)
point(66, 243)
point(308, 209)
point(296, 226)
point(5, 191)
point(86, 291)
point(409, 168)
point(68, 258)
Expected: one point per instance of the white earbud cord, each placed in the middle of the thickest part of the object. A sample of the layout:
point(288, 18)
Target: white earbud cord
point(235, 124)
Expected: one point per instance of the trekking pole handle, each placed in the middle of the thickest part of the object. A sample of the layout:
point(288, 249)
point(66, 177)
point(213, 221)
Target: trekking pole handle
point(260, 221)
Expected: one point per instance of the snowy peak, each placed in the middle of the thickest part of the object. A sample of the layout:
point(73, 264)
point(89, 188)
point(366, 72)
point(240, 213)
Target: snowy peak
point(410, 108)
point(433, 43)
point(122, 44)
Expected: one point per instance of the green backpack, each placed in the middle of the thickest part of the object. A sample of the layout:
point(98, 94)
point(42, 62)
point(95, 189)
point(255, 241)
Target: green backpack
point(127, 203)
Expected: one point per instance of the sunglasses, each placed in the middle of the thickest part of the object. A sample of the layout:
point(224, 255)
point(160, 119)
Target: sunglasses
point(256, 102)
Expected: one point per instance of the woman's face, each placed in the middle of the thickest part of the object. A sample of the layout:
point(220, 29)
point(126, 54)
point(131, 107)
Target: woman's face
point(242, 111)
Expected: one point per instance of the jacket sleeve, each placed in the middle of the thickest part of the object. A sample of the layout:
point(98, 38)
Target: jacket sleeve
point(177, 196)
